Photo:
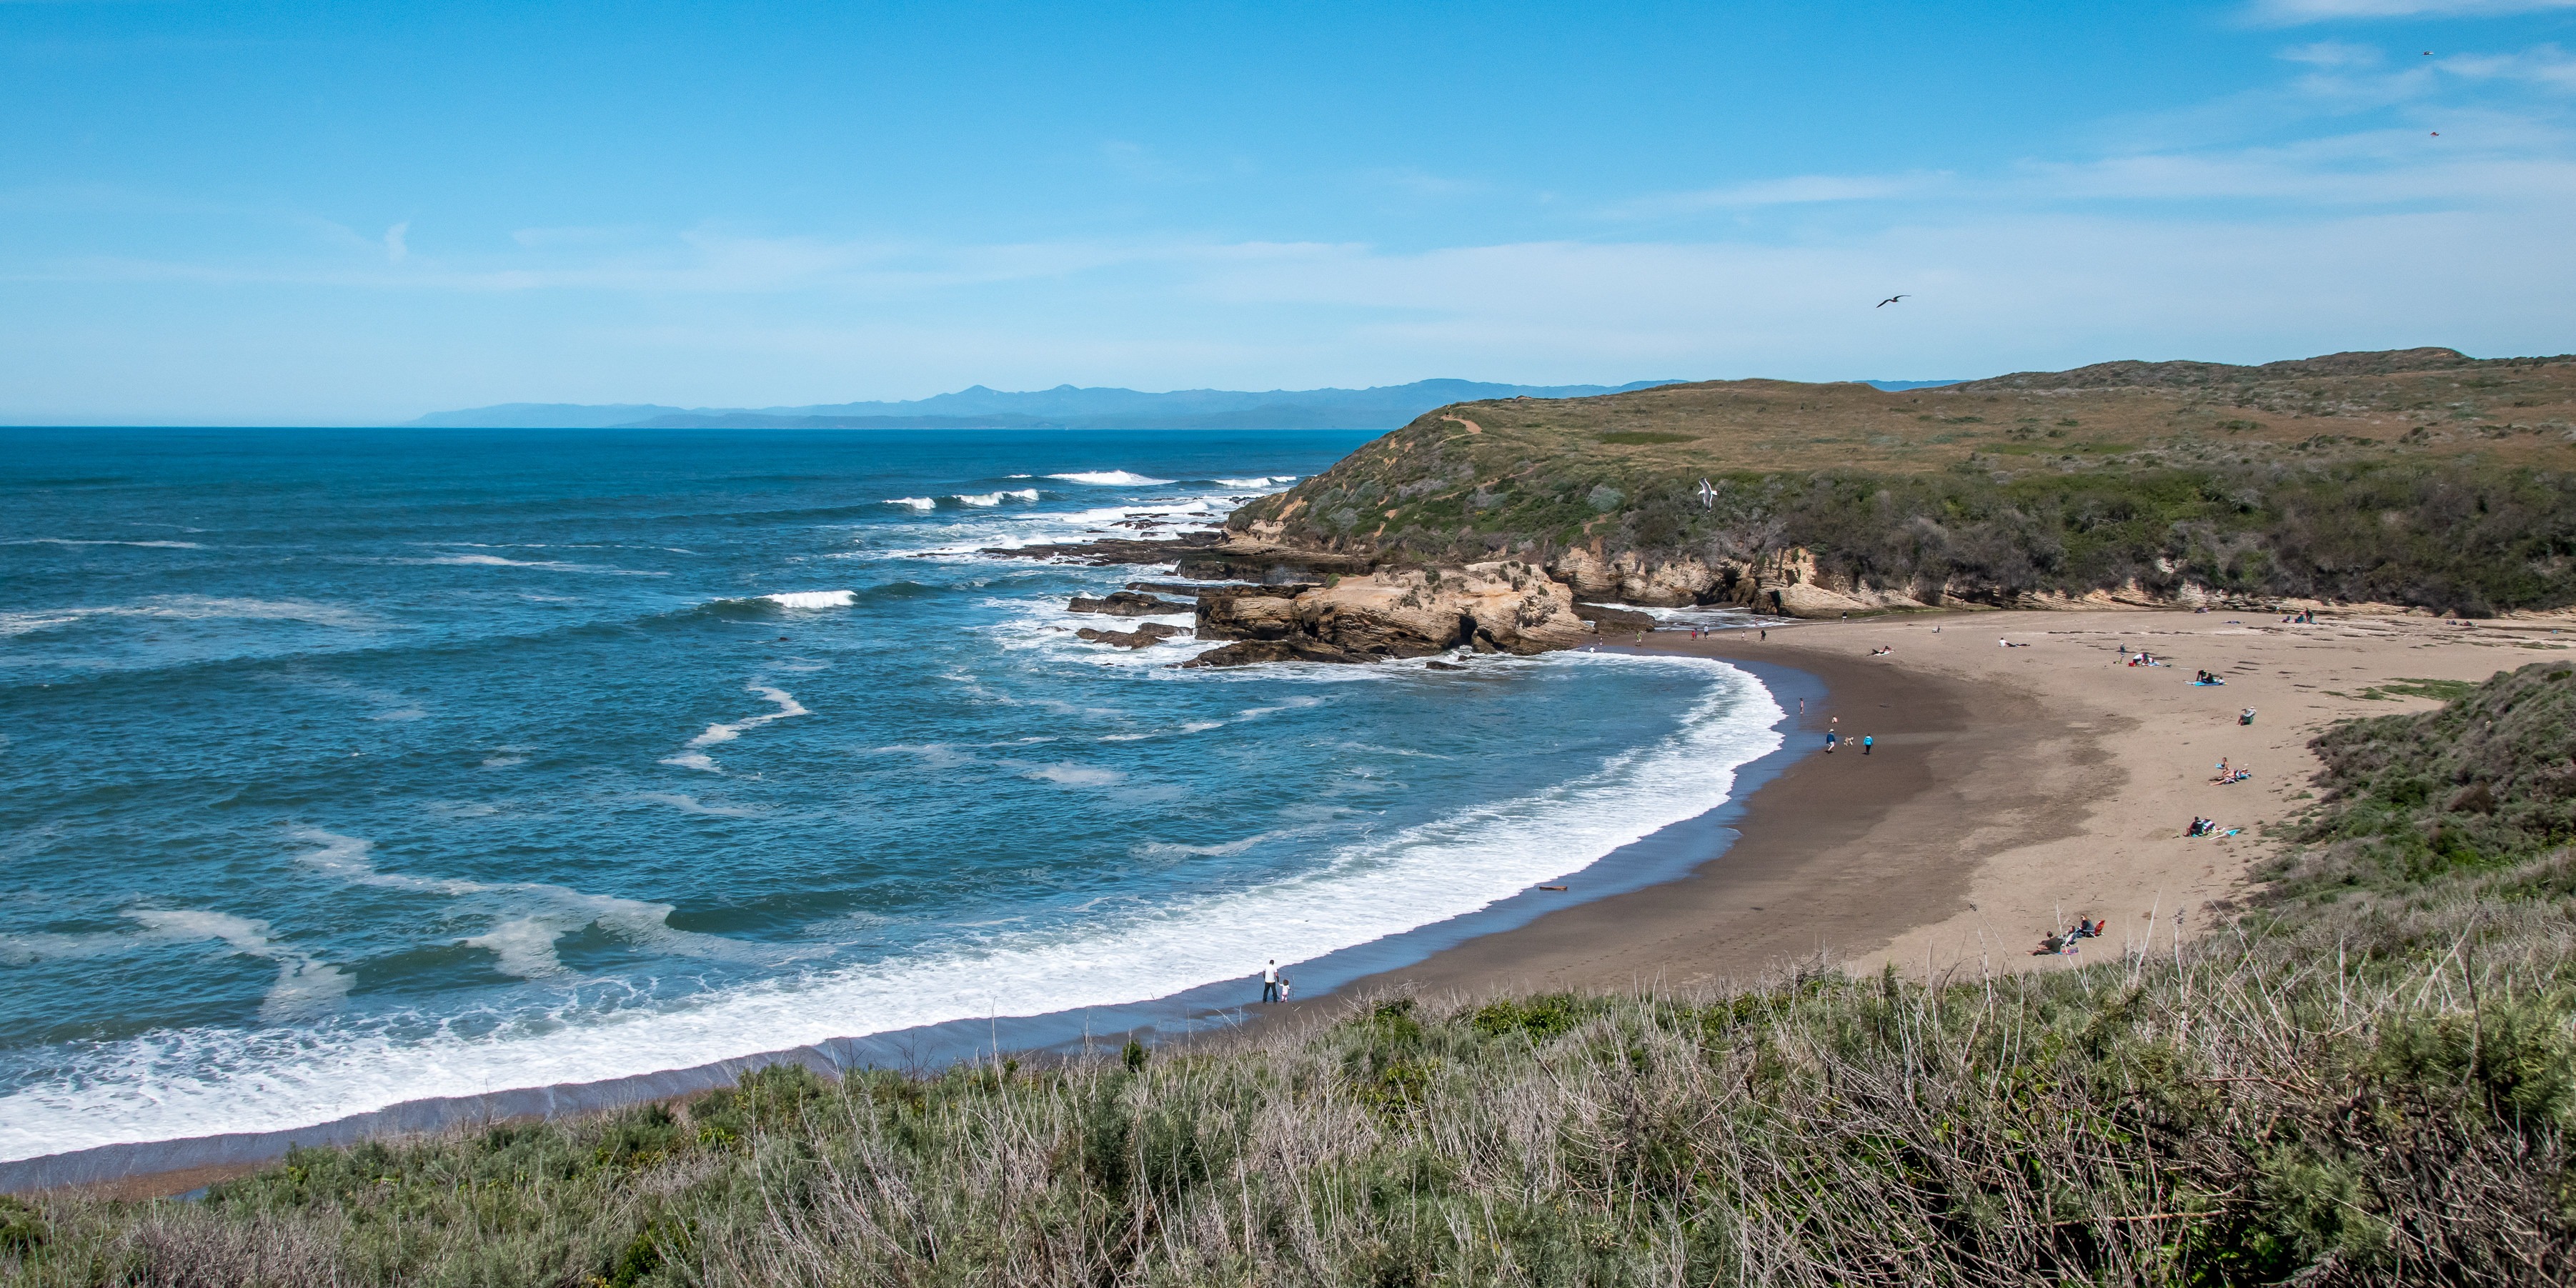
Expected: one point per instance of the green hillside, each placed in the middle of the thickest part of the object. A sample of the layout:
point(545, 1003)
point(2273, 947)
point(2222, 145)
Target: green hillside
point(2420, 477)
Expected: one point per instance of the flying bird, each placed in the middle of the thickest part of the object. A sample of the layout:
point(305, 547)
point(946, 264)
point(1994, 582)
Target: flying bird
point(1889, 300)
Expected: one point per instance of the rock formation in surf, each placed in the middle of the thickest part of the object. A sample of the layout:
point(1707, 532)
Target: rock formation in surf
point(1503, 606)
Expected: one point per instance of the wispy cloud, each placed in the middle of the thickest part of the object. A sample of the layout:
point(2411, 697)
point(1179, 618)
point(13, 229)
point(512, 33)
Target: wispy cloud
point(1795, 190)
point(2286, 13)
point(395, 251)
point(2333, 53)
point(2547, 66)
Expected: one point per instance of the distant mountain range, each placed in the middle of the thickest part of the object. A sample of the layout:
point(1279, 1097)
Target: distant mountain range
point(1063, 407)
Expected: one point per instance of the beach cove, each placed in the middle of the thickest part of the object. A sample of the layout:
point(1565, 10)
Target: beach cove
point(2011, 792)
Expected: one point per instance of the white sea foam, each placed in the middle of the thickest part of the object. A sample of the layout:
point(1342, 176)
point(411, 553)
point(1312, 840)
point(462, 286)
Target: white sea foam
point(814, 598)
point(536, 913)
point(1109, 478)
point(693, 754)
point(195, 608)
point(1266, 481)
point(548, 565)
point(67, 541)
point(688, 804)
point(305, 986)
point(524, 947)
point(204, 1081)
point(913, 502)
point(1071, 775)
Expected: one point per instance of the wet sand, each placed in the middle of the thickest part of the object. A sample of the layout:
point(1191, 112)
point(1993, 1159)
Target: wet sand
point(2011, 791)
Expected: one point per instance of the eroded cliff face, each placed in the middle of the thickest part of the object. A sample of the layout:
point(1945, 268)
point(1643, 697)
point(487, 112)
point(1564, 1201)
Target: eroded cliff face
point(1504, 606)
point(1787, 582)
point(1792, 584)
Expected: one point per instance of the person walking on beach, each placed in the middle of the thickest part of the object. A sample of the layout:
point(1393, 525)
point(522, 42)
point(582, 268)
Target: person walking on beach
point(1270, 981)
point(1866, 742)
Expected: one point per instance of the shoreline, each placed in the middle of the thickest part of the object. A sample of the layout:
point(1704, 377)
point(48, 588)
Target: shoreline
point(160, 1168)
point(1834, 850)
point(2010, 791)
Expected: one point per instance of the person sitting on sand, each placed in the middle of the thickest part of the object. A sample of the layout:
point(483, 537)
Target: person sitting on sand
point(2050, 947)
point(2222, 771)
point(2246, 716)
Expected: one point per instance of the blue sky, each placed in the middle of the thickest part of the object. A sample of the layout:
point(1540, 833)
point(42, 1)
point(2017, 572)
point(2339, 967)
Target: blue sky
point(285, 213)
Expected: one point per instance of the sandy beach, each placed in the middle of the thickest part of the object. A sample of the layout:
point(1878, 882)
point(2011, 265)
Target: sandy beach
point(2010, 791)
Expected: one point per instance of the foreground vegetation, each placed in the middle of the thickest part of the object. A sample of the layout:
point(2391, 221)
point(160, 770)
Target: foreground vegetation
point(2421, 478)
point(2367, 1079)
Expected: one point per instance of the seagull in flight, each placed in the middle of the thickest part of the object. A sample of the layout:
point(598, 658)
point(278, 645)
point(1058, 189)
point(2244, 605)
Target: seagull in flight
point(1889, 300)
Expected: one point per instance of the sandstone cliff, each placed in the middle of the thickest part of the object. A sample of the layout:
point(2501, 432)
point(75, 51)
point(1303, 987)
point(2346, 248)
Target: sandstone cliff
point(1504, 606)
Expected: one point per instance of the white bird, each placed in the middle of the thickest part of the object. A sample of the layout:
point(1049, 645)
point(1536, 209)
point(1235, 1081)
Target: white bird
point(1707, 495)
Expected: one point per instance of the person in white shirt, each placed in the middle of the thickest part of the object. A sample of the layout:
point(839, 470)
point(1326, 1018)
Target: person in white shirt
point(1270, 981)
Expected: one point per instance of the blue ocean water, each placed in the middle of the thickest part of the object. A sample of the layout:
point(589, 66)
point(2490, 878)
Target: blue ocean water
point(351, 767)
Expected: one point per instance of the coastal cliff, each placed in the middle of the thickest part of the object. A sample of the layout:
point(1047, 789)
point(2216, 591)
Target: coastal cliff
point(2419, 478)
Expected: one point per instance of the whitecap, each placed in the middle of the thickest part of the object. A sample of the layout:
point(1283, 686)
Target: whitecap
point(913, 502)
point(693, 754)
point(1109, 478)
point(814, 598)
point(1262, 481)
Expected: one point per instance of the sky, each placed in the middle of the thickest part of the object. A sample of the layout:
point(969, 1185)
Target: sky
point(284, 213)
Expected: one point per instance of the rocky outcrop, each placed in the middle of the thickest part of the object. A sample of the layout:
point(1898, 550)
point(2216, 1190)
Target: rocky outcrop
point(1113, 550)
point(1263, 562)
point(1604, 618)
point(1501, 607)
point(1145, 635)
point(1126, 603)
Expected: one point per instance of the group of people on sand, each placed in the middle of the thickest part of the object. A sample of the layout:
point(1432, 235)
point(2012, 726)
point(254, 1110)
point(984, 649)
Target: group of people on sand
point(1834, 735)
point(2205, 679)
point(2209, 827)
point(2303, 617)
point(2085, 928)
point(2231, 773)
point(1274, 986)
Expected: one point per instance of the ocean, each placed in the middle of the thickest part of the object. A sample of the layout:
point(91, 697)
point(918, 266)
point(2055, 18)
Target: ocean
point(352, 767)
